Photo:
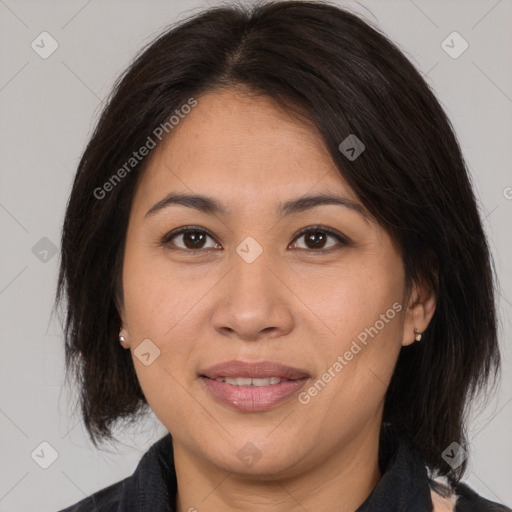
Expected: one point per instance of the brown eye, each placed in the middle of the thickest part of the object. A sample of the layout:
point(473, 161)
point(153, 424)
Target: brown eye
point(193, 239)
point(316, 239)
point(189, 239)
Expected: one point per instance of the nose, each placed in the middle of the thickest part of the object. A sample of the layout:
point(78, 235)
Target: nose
point(253, 303)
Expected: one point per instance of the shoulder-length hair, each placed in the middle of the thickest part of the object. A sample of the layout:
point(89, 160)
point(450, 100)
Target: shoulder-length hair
point(328, 66)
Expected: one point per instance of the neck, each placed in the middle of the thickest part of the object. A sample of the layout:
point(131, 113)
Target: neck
point(338, 483)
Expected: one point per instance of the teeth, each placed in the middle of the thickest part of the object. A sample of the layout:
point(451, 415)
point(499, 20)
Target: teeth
point(247, 381)
point(239, 381)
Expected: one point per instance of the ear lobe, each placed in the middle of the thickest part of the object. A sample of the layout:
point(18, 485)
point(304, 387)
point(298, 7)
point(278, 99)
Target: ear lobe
point(419, 312)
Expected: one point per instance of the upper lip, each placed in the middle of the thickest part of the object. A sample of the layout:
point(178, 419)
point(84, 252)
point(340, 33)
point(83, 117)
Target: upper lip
point(256, 370)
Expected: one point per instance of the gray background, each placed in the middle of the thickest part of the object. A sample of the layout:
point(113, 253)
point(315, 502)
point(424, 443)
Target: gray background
point(48, 109)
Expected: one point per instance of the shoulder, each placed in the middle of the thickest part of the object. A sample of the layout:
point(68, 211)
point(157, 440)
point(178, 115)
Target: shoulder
point(148, 485)
point(460, 498)
point(469, 501)
point(104, 500)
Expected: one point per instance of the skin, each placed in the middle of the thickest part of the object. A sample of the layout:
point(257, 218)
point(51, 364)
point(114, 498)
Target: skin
point(292, 305)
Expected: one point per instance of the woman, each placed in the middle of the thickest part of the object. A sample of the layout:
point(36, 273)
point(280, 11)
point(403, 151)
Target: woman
point(274, 219)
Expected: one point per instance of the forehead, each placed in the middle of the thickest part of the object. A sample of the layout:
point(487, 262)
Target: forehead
point(234, 142)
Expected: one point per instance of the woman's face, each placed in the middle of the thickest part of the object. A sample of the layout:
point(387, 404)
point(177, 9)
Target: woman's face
point(252, 289)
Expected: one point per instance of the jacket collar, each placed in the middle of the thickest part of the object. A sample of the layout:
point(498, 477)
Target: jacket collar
point(404, 485)
point(153, 486)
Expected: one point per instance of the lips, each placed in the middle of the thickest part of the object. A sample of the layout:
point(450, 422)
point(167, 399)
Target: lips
point(253, 387)
point(259, 370)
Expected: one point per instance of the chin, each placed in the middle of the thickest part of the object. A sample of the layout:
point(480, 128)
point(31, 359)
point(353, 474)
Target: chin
point(265, 458)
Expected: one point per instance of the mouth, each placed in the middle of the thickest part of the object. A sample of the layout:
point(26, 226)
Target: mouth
point(252, 387)
point(251, 381)
point(237, 369)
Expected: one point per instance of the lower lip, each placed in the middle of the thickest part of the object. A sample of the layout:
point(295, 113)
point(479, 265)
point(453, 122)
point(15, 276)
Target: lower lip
point(253, 398)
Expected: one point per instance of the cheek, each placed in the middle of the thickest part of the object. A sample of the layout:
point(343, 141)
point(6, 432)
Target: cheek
point(161, 306)
point(353, 299)
point(166, 306)
point(364, 315)
point(157, 294)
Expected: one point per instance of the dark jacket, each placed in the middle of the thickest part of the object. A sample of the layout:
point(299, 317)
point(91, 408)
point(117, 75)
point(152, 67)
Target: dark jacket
point(404, 486)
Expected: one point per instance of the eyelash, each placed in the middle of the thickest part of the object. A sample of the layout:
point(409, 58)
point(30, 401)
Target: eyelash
point(310, 229)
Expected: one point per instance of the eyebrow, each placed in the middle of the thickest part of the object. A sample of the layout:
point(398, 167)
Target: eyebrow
point(212, 206)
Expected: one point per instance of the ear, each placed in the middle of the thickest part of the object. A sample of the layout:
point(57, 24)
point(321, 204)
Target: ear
point(419, 311)
point(125, 342)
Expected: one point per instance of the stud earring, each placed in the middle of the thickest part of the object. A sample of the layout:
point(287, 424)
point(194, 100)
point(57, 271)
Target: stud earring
point(122, 339)
point(417, 333)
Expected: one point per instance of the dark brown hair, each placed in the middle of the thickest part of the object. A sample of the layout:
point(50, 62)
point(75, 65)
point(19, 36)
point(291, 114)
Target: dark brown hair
point(336, 70)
